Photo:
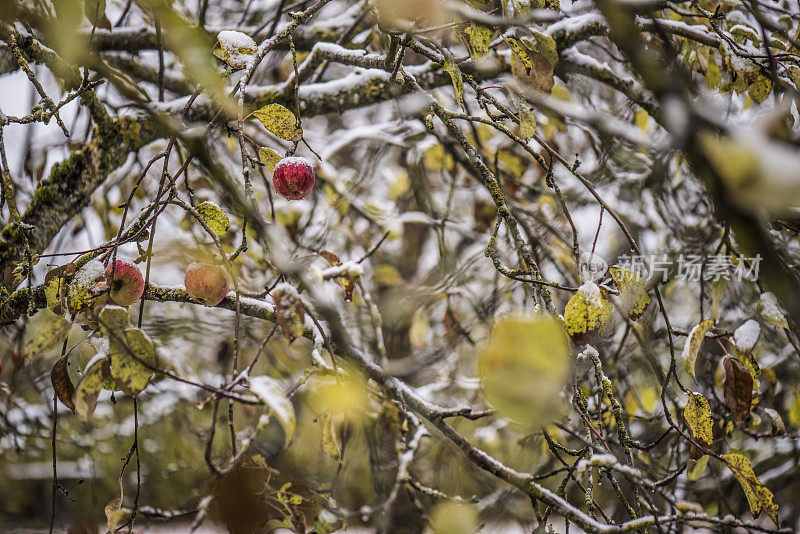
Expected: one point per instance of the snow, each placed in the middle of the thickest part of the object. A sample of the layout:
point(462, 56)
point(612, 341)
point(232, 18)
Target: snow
point(746, 336)
point(238, 48)
point(89, 274)
point(591, 294)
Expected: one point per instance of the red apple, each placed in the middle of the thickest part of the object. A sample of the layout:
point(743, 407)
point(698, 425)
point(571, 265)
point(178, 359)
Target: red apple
point(127, 285)
point(206, 282)
point(293, 177)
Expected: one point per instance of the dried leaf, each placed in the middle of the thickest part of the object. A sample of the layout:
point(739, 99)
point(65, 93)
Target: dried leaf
point(280, 121)
point(738, 389)
point(62, 385)
point(776, 422)
point(278, 403)
point(758, 496)
point(693, 343)
point(632, 291)
point(115, 514)
point(214, 216)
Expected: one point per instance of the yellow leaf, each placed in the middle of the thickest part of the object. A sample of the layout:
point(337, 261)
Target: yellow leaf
point(758, 496)
point(523, 368)
point(759, 90)
point(214, 216)
point(88, 388)
point(519, 51)
point(131, 351)
point(458, 82)
point(269, 158)
point(479, 38)
point(330, 441)
point(48, 331)
point(631, 291)
point(697, 413)
point(527, 122)
point(695, 468)
point(418, 332)
point(280, 121)
point(692, 345)
point(450, 517)
point(641, 118)
point(586, 312)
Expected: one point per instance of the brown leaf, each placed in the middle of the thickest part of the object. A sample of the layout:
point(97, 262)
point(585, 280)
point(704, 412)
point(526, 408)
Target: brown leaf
point(62, 384)
point(738, 389)
point(538, 78)
point(347, 285)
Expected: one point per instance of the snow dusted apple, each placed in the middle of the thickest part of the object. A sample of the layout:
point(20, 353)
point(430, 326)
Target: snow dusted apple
point(293, 177)
point(206, 282)
point(127, 284)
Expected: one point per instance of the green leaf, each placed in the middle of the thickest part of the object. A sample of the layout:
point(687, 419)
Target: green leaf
point(278, 403)
point(527, 122)
point(695, 468)
point(458, 82)
point(214, 216)
point(129, 348)
point(89, 386)
point(62, 385)
point(523, 368)
point(478, 37)
point(586, 313)
point(269, 158)
point(692, 345)
point(769, 310)
point(713, 75)
point(547, 47)
point(697, 413)
point(632, 291)
point(759, 90)
point(758, 496)
point(48, 331)
point(280, 121)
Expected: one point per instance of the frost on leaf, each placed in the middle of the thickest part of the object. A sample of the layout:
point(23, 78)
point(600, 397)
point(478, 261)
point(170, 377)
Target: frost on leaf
point(746, 336)
point(758, 496)
point(693, 343)
point(62, 385)
point(278, 403)
point(523, 368)
point(631, 291)
point(738, 389)
point(586, 313)
point(214, 216)
point(83, 287)
point(269, 158)
point(48, 331)
point(280, 121)
point(236, 48)
point(88, 388)
point(130, 350)
point(697, 413)
point(769, 310)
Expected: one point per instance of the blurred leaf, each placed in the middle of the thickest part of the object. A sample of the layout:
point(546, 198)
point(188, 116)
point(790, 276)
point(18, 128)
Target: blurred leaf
point(713, 75)
point(547, 47)
point(631, 291)
point(280, 121)
point(449, 517)
point(523, 368)
point(269, 391)
point(693, 343)
point(62, 384)
point(738, 389)
point(776, 422)
point(760, 89)
point(330, 441)
point(49, 331)
point(418, 332)
point(695, 468)
point(95, 11)
point(758, 496)
point(718, 288)
point(214, 216)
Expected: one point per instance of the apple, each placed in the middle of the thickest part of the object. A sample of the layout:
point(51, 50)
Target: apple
point(127, 284)
point(293, 177)
point(206, 282)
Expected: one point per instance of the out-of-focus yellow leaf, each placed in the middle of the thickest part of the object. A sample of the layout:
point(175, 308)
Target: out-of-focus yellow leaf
point(523, 368)
point(449, 517)
point(48, 331)
point(631, 291)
